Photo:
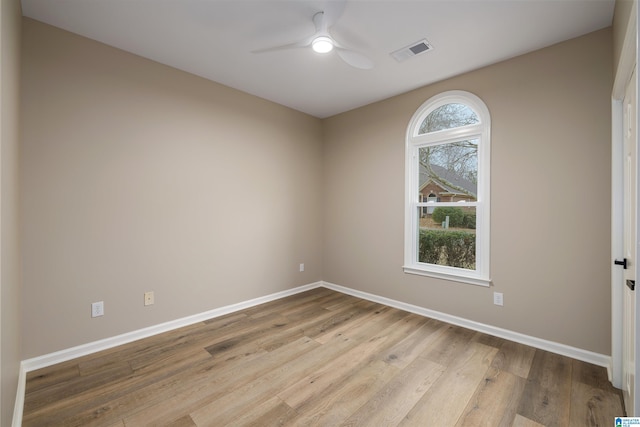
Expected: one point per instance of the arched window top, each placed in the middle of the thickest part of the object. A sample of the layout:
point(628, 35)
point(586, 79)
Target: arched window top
point(448, 116)
point(449, 111)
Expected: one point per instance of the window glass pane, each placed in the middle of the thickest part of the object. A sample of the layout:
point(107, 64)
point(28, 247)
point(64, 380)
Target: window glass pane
point(448, 172)
point(448, 116)
point(447, 236)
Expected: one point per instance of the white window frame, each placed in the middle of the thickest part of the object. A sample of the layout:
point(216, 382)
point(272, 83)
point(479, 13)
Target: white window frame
point(414, 141)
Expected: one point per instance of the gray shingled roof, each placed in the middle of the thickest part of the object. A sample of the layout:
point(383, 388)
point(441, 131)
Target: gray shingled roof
point(446, 176)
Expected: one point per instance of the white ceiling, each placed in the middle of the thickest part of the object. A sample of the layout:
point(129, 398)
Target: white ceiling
point(214, 39)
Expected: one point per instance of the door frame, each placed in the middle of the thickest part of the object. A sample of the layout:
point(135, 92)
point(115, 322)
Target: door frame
point(626, 64)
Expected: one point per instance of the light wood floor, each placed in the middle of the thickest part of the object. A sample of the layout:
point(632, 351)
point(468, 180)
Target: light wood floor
point(322, 358)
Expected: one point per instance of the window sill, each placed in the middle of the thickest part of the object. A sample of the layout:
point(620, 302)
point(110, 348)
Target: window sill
point(448, 276)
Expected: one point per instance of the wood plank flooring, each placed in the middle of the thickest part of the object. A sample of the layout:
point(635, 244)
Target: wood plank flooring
point(321, 358)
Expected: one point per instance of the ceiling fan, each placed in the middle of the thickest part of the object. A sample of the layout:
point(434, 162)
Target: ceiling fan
point(322, 41)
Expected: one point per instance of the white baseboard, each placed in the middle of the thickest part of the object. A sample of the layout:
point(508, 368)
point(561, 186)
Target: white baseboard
point(93, 347)
point(43, 361)
point(32, 364)
point(554, 347)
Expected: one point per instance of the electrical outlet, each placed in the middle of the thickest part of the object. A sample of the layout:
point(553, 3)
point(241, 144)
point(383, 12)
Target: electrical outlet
point(97, 309)
point(301, 267)
point(148, 298)
point(498, 298)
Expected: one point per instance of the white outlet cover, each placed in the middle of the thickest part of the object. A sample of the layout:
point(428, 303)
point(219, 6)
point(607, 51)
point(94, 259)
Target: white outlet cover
point(97, 309)
point(149, 298)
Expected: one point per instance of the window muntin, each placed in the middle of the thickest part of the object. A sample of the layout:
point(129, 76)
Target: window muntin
point(448, 176)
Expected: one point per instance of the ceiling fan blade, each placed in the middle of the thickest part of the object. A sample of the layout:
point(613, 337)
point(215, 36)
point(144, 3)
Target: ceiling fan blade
point(355, 59)
point(302, 43)
point(320, 21)
point(333, 10)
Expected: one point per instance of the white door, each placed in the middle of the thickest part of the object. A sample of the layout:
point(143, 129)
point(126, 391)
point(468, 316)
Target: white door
point(629, 241)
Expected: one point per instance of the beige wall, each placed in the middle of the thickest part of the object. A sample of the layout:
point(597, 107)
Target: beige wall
point(138, 177)
point(550, 185)
point(10, 290)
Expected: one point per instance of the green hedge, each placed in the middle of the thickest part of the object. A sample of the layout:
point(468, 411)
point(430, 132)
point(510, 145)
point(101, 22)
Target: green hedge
point(457, 217)
point(446, 247)
point(469, 220)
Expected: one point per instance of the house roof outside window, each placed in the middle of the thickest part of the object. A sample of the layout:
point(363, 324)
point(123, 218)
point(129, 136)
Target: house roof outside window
point(448, 180)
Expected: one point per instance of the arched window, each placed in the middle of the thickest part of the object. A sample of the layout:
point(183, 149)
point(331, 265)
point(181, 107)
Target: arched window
point(448, 154)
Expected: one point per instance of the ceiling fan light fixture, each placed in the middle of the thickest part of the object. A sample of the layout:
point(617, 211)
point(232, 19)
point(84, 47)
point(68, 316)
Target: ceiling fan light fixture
point(322, 44)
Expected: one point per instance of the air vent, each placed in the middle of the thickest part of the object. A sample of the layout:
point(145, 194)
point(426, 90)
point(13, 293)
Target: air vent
point(410, 51)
